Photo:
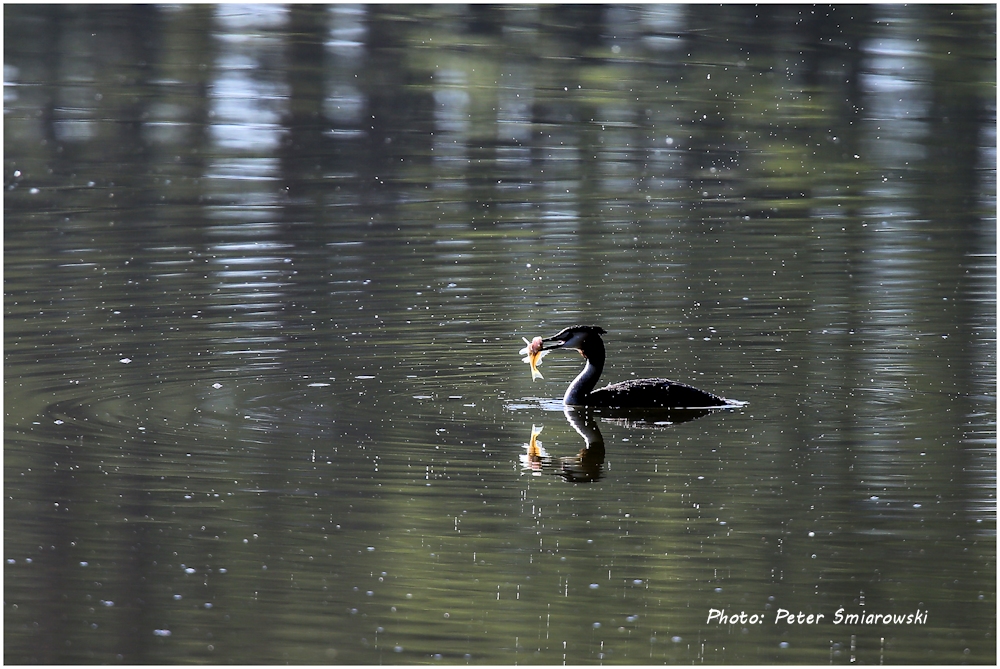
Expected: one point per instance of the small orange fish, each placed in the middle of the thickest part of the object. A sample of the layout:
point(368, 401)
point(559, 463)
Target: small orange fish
point(533, 355)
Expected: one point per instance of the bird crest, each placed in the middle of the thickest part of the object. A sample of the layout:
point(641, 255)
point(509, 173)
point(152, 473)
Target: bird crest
point(591, 329)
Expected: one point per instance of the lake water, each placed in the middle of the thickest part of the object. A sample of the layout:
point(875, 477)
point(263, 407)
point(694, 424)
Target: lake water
point(268, 269)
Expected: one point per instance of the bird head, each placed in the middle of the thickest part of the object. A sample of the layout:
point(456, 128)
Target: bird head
point(574, 337)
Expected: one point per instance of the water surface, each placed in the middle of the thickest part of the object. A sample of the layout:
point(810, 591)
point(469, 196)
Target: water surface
point(267, 270)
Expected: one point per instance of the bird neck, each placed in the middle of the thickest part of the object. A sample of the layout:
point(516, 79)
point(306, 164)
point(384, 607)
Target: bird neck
point(578, 391)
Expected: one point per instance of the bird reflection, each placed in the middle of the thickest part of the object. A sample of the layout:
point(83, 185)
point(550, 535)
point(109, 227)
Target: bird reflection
point(584, 467)
point(587, 466)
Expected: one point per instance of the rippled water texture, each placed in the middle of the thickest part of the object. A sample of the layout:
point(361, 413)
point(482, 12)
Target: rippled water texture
point(268, 269)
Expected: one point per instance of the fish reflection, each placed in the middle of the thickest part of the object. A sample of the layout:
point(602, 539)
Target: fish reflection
point(587, 466)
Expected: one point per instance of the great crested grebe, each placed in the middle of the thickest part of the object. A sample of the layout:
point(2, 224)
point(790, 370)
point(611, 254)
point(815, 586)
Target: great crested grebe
point(638, 393)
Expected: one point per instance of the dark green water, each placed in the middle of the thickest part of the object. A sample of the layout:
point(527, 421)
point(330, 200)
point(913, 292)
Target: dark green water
point(267, 270)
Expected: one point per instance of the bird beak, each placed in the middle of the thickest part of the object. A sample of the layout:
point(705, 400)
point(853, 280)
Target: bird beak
point(553, 342)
